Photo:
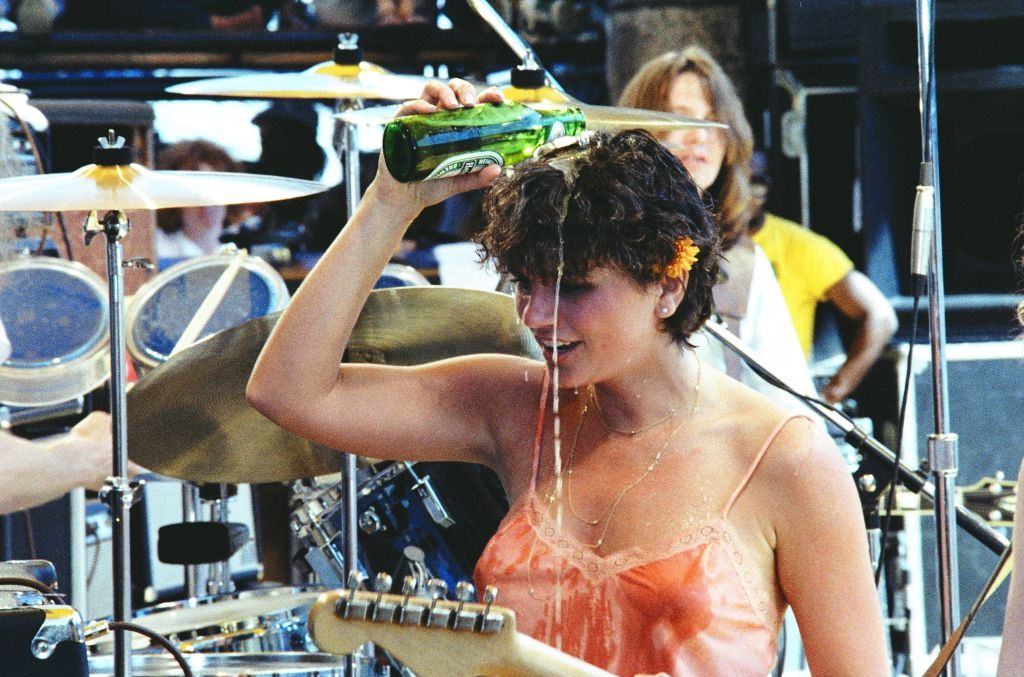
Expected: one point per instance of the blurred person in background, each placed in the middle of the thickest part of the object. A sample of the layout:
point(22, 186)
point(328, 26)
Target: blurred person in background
point(809, 269)
point(190, 232)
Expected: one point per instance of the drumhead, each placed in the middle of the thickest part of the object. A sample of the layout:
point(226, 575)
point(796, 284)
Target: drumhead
point(164, 306)
point(222, 664)
point(56, 316)
point(174, 617)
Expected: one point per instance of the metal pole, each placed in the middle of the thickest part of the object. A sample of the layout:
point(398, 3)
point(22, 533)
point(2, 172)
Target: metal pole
point(119, 491)
point(942, 445)
point(348, 152)
point(190, 513)
point(348, 148)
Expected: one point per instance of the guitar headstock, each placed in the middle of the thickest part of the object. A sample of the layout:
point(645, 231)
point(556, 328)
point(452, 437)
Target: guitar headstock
point(993, 498)
point(420, 632)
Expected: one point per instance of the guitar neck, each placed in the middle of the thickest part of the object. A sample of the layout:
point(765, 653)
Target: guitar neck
point(537, 659)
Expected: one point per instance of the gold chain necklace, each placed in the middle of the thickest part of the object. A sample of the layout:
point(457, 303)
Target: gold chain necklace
point(628, 433)
point(610, 511)
point(611, 507)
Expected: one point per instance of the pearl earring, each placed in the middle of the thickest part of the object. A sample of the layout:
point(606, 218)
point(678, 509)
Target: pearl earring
point(664, 310)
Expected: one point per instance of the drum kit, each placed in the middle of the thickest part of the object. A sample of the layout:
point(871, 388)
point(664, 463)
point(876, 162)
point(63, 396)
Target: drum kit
point(195, 331)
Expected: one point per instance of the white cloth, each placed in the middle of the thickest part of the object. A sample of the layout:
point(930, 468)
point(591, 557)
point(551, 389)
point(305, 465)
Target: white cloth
point(768, 331)
point(5, 344)
point(175, 245)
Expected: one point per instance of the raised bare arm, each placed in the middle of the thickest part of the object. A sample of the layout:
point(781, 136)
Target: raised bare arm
point(428, 412)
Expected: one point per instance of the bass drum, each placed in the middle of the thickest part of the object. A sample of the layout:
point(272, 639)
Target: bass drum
point(430, 520)
point(56, 317)
point(163, 307)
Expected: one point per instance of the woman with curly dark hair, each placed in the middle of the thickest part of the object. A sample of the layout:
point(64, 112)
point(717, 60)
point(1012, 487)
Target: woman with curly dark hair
point(679, 515)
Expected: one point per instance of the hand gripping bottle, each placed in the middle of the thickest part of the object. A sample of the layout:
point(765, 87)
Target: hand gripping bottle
point(453, 142)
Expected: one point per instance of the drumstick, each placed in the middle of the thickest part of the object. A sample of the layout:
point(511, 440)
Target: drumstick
point(210, 303)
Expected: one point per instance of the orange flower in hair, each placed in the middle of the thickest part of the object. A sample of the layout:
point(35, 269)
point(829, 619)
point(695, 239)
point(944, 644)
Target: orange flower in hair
point(686, 256)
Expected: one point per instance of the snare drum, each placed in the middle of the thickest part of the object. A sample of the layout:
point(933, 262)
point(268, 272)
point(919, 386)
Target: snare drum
point(293, 664)
point(428, 519)
point(267, 619)
point(56, 317)
point(163, 307)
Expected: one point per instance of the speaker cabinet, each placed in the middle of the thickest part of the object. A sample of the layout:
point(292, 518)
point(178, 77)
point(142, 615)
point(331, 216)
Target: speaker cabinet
point(986, 405)
point(980, 101)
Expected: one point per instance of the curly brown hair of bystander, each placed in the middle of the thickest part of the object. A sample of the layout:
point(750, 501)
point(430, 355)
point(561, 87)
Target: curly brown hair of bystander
point(628, 203)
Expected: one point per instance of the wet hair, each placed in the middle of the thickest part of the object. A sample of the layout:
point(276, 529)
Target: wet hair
point(190, 156)
point(649, 88)
point(629, 203)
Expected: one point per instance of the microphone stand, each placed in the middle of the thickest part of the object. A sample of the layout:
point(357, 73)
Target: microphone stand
point(943, 448)
point(914, 480)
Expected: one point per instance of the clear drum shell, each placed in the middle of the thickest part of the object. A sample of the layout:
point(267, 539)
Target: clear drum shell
point(56, 316)
point(163, 307)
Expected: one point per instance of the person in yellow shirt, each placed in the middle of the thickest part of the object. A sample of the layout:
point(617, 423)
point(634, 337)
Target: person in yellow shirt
point(811, 269)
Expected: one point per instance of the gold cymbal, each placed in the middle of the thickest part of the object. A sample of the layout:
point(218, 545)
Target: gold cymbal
point(326, 80)
point(618, 119)
point(98, 187)
point(599, 118)
point(189, 418)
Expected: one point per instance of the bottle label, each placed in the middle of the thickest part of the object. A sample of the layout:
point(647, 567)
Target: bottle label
point(557, 131)
point(465, 163)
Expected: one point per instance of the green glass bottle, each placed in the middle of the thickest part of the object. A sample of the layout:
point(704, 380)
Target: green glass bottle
point(453, 142)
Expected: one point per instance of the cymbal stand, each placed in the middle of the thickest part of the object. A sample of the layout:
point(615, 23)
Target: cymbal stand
point(119, 491)
point(347, 146)
point(219, 580)
point(347, 135)
point(190, 513)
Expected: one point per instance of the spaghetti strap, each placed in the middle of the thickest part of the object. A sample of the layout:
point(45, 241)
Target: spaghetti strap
point(757, 460)
point(538, 437)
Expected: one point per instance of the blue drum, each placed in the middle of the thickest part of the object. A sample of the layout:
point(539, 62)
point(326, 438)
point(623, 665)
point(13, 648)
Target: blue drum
point(429, 520)
point(164, 306)
point(56, 317)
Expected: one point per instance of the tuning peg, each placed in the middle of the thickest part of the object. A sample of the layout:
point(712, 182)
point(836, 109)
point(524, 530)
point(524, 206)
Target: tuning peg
point(354, 583)
point(381, 585)
point(464, 592)
point(490, 594)
point(409, 586)
point(437, 589)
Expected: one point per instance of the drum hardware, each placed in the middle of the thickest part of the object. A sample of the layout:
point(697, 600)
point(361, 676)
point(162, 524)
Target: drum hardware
point(431, 502)
point(266, 664)
point(40, 636)
point(114, 183)
point(10, 418)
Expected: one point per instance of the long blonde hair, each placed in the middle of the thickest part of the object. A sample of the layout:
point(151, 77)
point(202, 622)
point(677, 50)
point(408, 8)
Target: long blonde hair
point(734, 203)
